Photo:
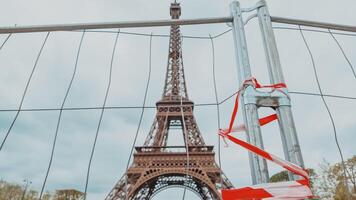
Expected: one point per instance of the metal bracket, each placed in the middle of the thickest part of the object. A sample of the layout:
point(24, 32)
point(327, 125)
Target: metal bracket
point(249, 18)
point(272, 99)
point(255, 7)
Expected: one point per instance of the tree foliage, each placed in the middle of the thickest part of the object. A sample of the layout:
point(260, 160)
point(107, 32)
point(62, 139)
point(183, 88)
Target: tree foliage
point(331, 182)
point(283, 176)
point(68, 194)
point(9, 191)
point(279, 177)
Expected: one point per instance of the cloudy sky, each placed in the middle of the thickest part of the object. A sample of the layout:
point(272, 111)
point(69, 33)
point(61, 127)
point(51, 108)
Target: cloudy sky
point(27, 150)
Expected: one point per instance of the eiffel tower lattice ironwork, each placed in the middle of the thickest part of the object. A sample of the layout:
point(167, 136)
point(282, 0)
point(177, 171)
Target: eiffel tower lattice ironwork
point(157, 166)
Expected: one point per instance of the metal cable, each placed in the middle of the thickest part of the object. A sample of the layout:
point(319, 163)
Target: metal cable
point(326, 106)
point(157, 35)
point(186, 143)
point(227, 98)
point(215, 36)
point(25, 91)
point(101, 115)
point(184, 126)
point(141, 115)
point(325, 95)
point(60, 116)
point(126, 33)
point(217, 108)
point(184, 191)
point(222, 33)
point(76, 108)
point(311, 30)
point(343, 53)
point(6, 39)
point(154, 107)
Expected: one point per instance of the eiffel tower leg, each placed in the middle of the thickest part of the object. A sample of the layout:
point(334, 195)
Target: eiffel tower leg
point(259, 170)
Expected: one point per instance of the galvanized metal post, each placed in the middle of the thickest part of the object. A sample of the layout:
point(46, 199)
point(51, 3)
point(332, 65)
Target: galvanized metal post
point(259, 170)
point(289, 137)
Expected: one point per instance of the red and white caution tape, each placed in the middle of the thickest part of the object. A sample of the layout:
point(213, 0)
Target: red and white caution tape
point(263, 121)
point(282, 190)
point(252, 81)
point(299, 189)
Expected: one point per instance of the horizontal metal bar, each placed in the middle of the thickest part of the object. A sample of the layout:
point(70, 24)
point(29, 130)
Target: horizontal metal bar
point(314, 24)
point(108, 25)
point(155, 23)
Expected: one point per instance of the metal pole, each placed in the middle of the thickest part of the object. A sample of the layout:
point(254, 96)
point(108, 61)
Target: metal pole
point(107, 25)
point(289, 137)
point(259, 170)
point(313, 24)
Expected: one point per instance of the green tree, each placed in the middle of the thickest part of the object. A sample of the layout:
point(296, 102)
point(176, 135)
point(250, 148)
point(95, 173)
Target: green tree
point(68, 194)
point(283, 176)
point(331, 182)
point(279, 177)
point(47, 196)
point(9, 191)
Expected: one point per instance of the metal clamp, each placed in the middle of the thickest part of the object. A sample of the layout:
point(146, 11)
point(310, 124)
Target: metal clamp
point(255, 7)
point(272, 99)
point(249, 18)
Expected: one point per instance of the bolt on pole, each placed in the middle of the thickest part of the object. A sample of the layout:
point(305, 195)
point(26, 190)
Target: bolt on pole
point(259, 170)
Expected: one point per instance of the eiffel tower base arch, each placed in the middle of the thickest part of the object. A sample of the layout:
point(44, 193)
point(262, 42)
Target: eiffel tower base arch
point(152, 172)
point(175, 178)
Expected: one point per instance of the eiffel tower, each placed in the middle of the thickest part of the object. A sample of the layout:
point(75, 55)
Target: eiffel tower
point(157, 166)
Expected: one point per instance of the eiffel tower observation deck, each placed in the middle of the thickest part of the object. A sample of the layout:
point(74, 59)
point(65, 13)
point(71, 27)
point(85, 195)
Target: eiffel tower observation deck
point(157, 166)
